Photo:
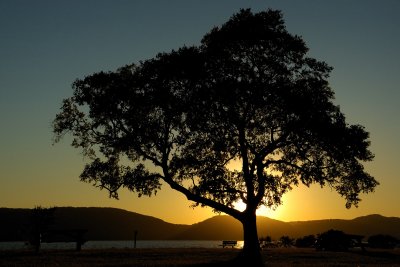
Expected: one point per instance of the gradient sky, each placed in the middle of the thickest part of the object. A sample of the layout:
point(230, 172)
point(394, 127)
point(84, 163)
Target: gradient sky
point(46, 45)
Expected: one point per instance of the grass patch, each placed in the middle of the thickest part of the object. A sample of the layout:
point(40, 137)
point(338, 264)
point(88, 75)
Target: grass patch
point(181, 257)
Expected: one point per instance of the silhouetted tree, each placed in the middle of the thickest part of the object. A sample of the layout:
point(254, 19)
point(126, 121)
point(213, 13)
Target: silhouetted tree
point(382, 241)
point(305, 241)
point(333, 240)
point(286, 241)
point(248, 95)
point(39, 222)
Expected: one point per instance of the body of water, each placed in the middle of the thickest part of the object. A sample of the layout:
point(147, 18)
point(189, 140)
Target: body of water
point(122, 244)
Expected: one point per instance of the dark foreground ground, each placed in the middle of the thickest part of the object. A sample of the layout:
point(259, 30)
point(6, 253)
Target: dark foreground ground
point(196, 257)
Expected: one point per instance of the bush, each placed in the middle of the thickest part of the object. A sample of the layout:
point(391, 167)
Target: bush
point(305, 242)
point(382, 241)
point(286, 241)
point(333, 240)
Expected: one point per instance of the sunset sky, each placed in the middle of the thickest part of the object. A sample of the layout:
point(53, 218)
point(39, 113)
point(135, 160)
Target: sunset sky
point(46, 45)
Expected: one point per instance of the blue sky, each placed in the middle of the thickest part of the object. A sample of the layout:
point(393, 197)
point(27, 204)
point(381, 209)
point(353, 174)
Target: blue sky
point(46, 45)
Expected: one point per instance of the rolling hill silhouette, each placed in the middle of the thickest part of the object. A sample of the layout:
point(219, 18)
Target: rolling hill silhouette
point(225, 227)
point(101, 223)
point(117, 224)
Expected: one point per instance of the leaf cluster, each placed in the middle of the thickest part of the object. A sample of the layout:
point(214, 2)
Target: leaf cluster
point(247, 95)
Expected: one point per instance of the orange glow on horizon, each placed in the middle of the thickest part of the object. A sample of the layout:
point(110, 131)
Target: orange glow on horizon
point(263, 210)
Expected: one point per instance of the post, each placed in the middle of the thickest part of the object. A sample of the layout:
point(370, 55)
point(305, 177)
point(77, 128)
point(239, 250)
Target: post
point(79, 239)
point(135, 236)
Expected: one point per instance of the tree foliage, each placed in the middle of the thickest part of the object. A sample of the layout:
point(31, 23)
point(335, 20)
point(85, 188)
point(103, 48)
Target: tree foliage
point(383, 241)
point(286, 241)
point(247, 95)
point(39, 223)
point(333, 240)
point(307, 241)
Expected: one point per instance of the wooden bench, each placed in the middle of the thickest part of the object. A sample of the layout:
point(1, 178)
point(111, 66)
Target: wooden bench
point(229, 243)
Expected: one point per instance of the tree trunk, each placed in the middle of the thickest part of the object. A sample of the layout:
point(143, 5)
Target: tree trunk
point(251, 249)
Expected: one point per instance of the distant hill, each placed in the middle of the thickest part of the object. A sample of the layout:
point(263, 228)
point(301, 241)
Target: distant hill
point(117, 224)
point(13, 224)
point(365, 225)
point(226, 227)
point(102, 224)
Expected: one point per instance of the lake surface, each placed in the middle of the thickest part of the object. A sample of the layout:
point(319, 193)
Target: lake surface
point(122, 244)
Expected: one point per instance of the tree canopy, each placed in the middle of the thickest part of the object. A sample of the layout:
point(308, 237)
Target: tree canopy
point(247, 95)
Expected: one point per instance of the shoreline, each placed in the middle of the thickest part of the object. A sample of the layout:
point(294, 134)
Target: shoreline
point(181, 257)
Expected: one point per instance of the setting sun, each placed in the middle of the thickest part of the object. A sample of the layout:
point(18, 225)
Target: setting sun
point(261, 211)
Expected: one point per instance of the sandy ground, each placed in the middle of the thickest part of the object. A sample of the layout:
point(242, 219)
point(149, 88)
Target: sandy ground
point(196, 257)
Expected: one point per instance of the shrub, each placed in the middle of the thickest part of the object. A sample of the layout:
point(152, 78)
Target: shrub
point(382, 241)
point(306, 241)
point(333, 240)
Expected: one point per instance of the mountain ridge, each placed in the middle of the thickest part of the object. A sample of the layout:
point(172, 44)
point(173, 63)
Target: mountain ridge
point(119, 224)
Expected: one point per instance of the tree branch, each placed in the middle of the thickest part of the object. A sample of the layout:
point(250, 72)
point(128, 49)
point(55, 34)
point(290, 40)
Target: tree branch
point(245, 168)
point(199, 199)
